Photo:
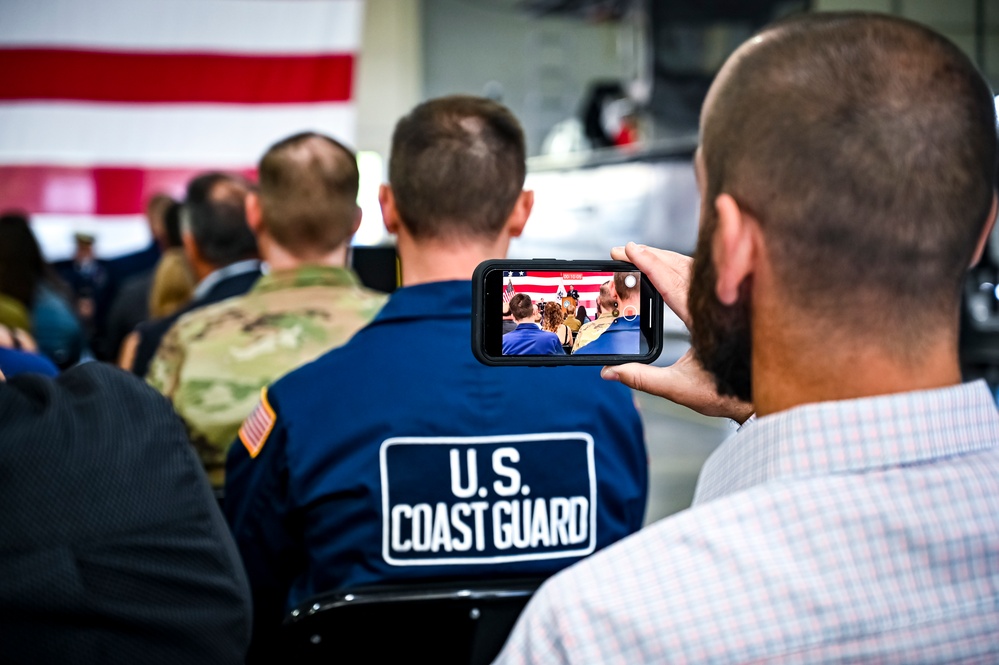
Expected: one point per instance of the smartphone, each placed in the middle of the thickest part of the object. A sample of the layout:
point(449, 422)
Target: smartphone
point(553, 312)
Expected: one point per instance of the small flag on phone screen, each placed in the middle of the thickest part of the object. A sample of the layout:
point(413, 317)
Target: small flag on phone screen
point(508, 291)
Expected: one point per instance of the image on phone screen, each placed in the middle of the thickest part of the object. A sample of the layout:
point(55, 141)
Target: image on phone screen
point(556, 312)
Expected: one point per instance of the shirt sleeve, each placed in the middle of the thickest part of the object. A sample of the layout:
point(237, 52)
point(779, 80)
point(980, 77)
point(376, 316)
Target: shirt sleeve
point(260, 511)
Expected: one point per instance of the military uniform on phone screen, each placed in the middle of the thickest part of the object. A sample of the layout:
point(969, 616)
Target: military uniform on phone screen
point(399, 457)
point(590, 331)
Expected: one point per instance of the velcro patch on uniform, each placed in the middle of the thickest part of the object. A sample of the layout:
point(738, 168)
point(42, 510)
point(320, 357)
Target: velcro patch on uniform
point(487, 499)
point(258, 426)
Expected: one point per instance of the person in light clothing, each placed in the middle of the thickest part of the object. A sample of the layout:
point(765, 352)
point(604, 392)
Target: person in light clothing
point(847, 170)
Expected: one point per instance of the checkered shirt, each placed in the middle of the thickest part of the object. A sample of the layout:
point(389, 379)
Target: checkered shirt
point(854, 531)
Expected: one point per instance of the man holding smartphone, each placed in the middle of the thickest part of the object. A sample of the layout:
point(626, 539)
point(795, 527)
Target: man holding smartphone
point(847, 170)
point(401, 458)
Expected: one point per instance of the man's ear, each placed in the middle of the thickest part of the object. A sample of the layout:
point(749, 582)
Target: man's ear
point(520, 213)
point(983, 239)
point(733, 248)
point(390, 214)
point(190, 247)
point(254, 216)
point(357, 221)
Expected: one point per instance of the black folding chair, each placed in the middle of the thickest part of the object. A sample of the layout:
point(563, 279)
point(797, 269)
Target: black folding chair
point(460, 624)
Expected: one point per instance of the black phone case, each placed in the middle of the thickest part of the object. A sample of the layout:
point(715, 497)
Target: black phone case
point(480, 296)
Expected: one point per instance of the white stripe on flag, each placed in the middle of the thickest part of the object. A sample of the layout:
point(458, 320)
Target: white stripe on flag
point(207, 26)
point(159, 134)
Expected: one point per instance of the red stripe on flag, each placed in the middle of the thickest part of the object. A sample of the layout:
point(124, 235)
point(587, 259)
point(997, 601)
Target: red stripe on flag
point(33, 74)
point(99, 190)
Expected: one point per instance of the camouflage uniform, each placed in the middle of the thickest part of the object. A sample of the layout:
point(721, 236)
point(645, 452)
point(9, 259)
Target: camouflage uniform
point(214, 361)
point(590, 331)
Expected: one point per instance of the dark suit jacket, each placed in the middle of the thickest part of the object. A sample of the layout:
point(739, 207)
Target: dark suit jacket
point(151, 332)
point(112, 546)
point(129, 309)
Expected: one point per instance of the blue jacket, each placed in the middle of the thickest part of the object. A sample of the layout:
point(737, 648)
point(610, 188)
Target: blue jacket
point(622, 336)
point(529, 340)
point(14, 362)
point(400, 457)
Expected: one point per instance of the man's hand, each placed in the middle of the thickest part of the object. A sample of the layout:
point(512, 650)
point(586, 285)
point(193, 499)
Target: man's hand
point(685, 382)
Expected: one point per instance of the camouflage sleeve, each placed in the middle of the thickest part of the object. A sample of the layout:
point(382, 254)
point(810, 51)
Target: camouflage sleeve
point(164, 370)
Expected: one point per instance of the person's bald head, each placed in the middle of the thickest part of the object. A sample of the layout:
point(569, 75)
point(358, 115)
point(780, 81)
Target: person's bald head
point(308, 193)
point(865, 146)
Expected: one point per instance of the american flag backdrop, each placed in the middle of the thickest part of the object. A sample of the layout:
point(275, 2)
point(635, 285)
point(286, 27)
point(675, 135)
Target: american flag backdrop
point(106, 102)
point(549, 285)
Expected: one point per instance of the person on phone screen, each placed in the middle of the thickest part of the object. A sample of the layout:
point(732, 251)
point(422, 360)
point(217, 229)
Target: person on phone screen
point(400, 458)
point(624, 334)
point(527, 339)
point(847, 173)
point(605, 316)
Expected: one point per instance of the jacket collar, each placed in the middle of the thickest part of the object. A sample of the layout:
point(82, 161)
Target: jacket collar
point(451, 300)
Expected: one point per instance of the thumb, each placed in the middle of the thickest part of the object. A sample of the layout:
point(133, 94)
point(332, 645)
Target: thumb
point(635, 375)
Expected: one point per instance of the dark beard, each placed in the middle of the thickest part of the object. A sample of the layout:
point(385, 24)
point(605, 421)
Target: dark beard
point(720, 334)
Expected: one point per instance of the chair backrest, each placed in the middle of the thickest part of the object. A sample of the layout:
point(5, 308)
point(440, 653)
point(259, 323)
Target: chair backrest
point(464, 624)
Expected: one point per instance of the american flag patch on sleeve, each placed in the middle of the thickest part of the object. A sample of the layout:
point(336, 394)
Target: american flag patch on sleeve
point(258, 426)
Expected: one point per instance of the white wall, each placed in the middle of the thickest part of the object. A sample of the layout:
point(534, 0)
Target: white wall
point(390, 72)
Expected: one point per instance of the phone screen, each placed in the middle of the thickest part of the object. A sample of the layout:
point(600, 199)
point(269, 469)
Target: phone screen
point(573, 314)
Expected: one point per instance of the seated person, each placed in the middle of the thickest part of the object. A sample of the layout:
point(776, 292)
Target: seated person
point(509, 325)
point(856, 518)
point(552, 321)
point(527, 339)
point(221, 250)
point(32, 297)
point(18, 354)
point(605, 316)
point(113, 547)
point(624, 334)
point(399, 458)
point(214, 361)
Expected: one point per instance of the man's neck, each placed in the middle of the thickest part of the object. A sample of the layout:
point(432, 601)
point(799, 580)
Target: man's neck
point(439, 260)
point(794, 365)
point(278, 258)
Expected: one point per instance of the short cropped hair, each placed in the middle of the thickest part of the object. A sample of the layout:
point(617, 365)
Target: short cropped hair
point(215, 215)
point(457, 167)
point(606, 298)
point(865, 145)
point(621, 286)
point(521, 306)
point(308, 193)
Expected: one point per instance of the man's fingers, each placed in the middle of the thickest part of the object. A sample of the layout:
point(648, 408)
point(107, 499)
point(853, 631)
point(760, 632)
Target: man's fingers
point(668, 271)
point(685, 382)
point(648, 379)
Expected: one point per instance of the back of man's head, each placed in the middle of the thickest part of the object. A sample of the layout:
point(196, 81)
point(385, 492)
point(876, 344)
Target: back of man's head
point(457, 168)
point(308, 193)
point(214, 214)
point(627, 284)
point(521, 307)
point(865, 146)
point(606, 298)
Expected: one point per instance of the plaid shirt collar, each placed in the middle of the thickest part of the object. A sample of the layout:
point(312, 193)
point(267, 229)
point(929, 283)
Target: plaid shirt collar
point(852, 436)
